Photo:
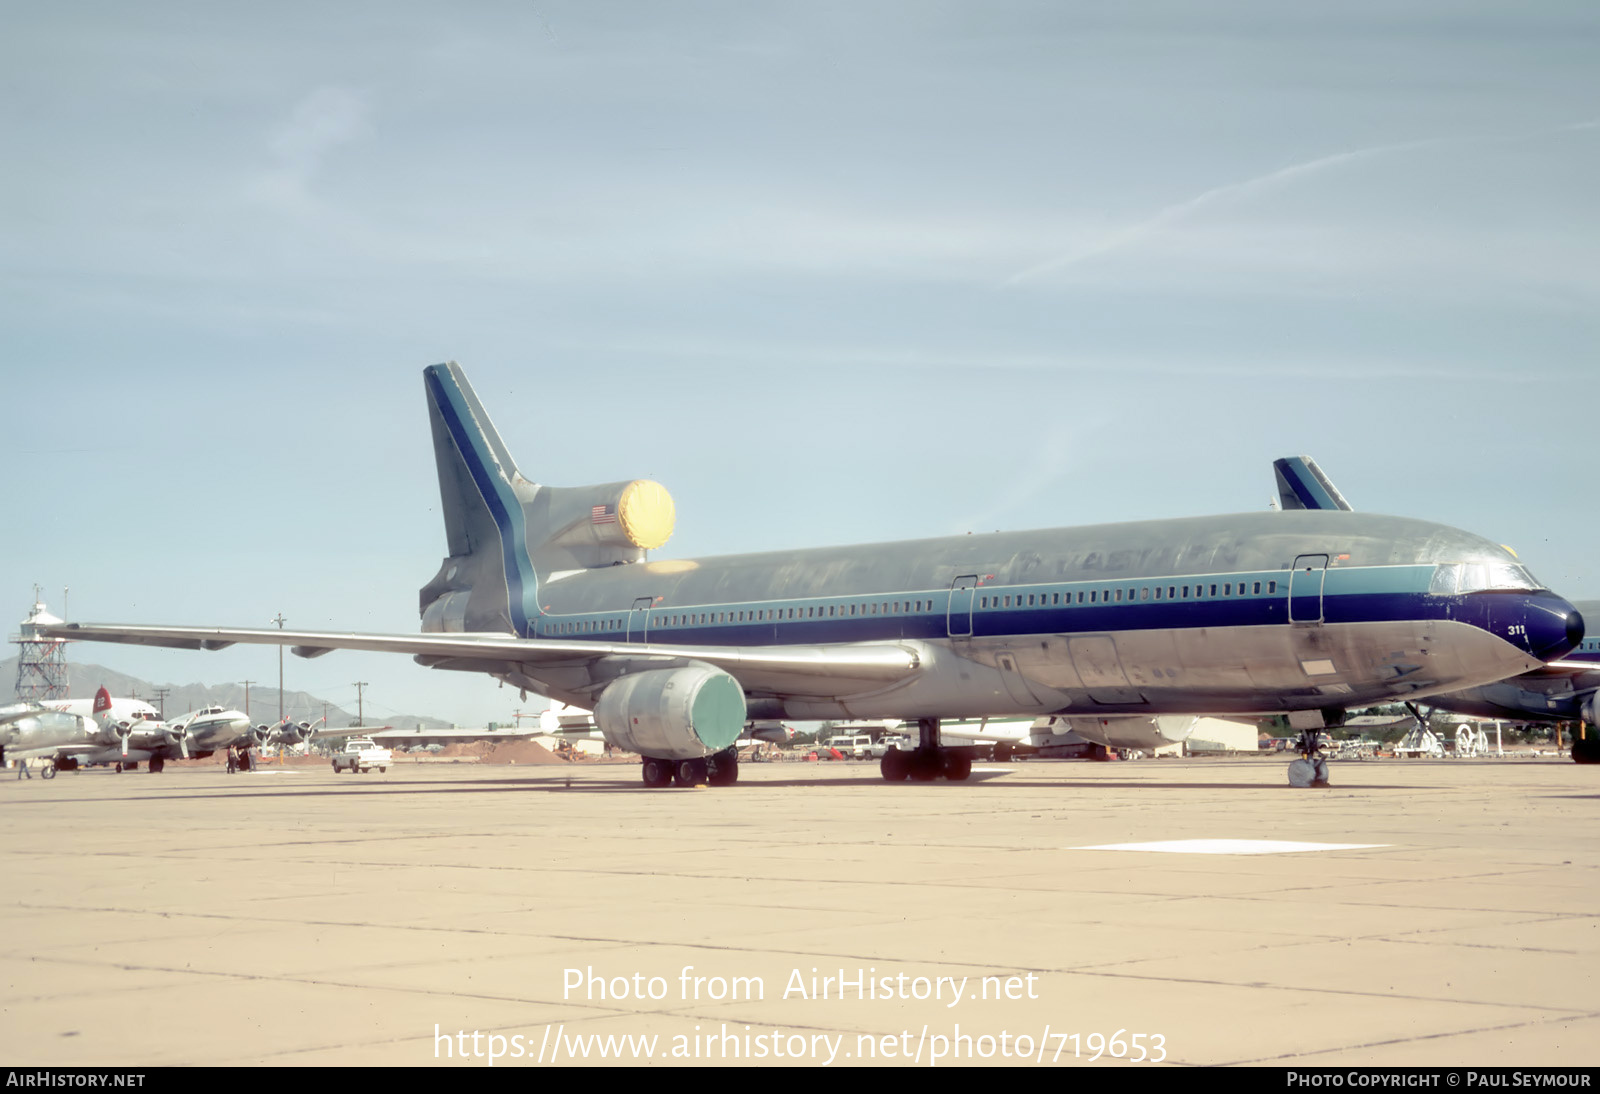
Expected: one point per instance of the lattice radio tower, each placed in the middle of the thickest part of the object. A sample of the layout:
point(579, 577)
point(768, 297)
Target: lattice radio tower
point(41, 661)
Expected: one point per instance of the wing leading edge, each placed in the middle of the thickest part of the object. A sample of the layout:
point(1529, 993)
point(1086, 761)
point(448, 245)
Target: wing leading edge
point(868, 663)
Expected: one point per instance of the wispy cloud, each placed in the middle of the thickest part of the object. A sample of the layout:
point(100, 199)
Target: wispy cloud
point(1181, 211)
point(322, 121)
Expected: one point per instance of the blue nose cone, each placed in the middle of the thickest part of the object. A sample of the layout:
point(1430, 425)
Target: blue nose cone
point(1555, 628)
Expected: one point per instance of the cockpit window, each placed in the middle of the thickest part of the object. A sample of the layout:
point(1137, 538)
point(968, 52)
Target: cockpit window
point(1477, 577)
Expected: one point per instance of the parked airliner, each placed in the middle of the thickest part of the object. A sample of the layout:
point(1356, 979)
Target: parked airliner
point(1301, 613)
point(1565, 690)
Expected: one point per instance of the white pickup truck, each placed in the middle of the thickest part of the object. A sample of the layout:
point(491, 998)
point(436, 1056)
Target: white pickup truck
point(361, 755)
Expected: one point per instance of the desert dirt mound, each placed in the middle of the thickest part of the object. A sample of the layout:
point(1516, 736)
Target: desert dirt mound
point(489, 752)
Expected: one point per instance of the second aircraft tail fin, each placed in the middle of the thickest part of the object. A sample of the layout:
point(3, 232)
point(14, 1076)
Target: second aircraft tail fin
point(1302, 485)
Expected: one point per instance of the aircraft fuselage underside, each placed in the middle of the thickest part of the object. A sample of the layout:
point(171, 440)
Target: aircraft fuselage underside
point(1244, 670)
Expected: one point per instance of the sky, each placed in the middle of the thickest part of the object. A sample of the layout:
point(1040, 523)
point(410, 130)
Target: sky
point(830, 272)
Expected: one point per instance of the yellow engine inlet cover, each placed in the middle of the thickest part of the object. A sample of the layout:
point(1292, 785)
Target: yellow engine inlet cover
point(646, 513)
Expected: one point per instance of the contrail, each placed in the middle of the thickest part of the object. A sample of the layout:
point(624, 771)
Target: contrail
point(1174, 213)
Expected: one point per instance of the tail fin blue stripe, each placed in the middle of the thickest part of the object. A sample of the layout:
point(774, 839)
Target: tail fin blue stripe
point(491, 475)
point(1302, 485)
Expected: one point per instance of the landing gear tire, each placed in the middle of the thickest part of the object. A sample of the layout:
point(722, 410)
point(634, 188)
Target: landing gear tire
point(896, 765)
point(48, 771)
point(957, 766)
point(156, 765)
point(926, 765)
point(691, 773)
point(1309, 773)
point(655, 773)
point(1586, 749)
point(723, 769)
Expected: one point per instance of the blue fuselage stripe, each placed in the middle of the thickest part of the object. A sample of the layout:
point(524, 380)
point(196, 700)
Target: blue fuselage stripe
point(1354, 595)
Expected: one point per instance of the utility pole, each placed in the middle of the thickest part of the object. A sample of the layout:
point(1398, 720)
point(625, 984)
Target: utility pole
point(161, 702)
point(247, 684)
point(361, 719)
point(279, 620)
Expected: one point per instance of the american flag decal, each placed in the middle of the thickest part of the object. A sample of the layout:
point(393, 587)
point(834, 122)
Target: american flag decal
point(602, 514)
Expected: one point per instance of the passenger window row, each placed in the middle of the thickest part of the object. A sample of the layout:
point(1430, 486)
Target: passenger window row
point(1130, 595)
point(1118, 595)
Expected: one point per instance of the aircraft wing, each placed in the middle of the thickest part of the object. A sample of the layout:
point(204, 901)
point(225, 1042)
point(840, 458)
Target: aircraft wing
point(349, 731)
point(792, 669)
point(68, 748)
point(15, 712)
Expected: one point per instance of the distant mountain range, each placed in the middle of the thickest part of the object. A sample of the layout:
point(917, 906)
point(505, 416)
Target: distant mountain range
point(298, 706)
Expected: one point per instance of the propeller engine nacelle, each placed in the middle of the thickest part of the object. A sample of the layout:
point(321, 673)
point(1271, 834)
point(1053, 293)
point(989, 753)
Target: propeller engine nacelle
point(44, 729)
point(260, 735)
point(672, 714)
point(1590, 710)
point(294, 733)
point(178, 737)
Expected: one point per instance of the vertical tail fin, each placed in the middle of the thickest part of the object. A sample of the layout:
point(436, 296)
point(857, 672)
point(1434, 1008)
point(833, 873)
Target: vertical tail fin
point(504, 530)
point(102, 705)
point(487, 583)
point(1302, 485)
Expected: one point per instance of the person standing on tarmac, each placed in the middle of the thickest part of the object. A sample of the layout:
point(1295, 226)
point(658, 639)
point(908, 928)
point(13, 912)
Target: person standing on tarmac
point(22, 769)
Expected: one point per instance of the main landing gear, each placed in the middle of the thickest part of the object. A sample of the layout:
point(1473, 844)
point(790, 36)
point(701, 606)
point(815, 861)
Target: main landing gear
point(718, 769)
point(929, 760)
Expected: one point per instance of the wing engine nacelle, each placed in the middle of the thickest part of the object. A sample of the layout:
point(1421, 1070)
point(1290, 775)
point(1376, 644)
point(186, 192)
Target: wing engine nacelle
point(292, 733)
point(672, 714)
point(46, 729)
point(1132, 731)
point(1590, 710)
